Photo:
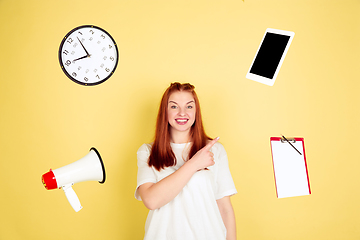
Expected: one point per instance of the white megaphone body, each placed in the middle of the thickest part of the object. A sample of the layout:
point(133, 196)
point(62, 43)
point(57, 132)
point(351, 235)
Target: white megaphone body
point(88, 168)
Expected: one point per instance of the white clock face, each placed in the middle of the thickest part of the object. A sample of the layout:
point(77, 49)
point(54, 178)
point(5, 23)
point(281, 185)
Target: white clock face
point(88, 55)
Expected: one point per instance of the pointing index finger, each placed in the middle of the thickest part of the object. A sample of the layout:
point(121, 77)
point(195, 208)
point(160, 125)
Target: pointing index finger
point(211, 143)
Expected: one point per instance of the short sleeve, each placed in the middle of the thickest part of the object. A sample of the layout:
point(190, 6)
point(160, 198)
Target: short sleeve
point(224, 183)
point(145, 173)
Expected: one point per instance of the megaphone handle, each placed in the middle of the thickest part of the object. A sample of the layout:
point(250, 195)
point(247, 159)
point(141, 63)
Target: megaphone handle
point(72, 197)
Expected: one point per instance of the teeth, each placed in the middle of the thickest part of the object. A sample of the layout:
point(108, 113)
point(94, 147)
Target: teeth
point(179, 120)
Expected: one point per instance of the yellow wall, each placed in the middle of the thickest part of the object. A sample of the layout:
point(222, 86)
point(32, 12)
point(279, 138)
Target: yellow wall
point(48, 121)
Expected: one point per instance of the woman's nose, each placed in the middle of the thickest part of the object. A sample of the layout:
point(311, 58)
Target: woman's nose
point(182, 111)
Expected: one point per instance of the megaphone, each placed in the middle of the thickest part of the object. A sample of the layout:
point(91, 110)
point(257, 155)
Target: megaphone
point(88, 168)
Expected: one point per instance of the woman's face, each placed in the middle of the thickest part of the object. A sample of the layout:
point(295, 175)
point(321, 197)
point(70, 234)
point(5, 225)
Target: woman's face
point(181, 111)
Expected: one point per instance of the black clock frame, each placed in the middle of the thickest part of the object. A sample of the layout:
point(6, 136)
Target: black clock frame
point(68, 75)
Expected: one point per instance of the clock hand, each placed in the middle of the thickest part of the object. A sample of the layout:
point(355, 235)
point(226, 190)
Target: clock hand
point(83, 47)
point(81, 58)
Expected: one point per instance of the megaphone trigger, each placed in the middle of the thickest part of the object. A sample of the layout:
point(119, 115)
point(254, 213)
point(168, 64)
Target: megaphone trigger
point(72, 197)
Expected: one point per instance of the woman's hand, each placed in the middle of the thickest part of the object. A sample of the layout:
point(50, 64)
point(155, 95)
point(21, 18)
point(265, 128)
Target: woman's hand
point(203, 158)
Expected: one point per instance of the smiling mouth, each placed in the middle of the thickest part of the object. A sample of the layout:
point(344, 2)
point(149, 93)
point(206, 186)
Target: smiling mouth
point(181, 121)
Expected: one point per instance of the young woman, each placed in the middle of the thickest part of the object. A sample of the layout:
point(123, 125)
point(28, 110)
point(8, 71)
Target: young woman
point(183, 176)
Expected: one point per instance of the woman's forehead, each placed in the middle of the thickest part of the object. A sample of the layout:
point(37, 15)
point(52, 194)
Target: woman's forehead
point(181, 97)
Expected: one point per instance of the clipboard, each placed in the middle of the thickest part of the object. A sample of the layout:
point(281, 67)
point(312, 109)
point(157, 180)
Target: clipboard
point(290, 168)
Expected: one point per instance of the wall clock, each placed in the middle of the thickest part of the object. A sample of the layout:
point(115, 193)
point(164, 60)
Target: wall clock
point(88, 55)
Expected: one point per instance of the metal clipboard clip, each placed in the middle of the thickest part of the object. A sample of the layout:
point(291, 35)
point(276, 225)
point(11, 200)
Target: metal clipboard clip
point(292, 140)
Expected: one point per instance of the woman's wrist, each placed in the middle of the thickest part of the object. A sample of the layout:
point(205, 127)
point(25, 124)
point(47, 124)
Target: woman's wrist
point(190, 166)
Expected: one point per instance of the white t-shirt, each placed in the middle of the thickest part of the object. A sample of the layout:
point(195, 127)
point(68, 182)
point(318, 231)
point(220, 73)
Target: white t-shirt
point(193, 214)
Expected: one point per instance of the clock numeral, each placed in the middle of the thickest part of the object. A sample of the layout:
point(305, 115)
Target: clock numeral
point(65, 52)
point(90, 39)
point(98, 76)
point(110, 46)
point(103, 49)
point(102, 65)
point(102, 35)
point(92, 32)
point(80, 32)
point(79, 68)
point(86, 79)
point(70, 40)
point(87, 70)
point(112, 58)
point(106, 69)
point(74, 74)
point(73, 52)
point(95, 70)
point(105, 57)
point(98, 42)
point(67, 63)
point(75, 44)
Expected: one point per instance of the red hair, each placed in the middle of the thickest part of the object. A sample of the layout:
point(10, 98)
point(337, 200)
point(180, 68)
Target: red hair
point(161, 154)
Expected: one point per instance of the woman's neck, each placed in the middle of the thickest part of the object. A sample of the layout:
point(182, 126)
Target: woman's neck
point(180, 137)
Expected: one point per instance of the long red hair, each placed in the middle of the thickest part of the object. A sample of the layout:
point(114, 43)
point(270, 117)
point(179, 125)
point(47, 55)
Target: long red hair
point(161, 154)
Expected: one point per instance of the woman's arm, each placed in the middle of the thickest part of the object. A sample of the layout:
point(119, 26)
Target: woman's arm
point(228, 216)
point(156, 195)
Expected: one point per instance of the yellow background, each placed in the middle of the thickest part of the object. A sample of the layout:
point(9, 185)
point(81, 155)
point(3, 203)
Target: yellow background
point(48, 121)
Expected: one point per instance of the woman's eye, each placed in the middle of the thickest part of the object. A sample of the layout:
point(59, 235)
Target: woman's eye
point(173, 107)
point(190, 107)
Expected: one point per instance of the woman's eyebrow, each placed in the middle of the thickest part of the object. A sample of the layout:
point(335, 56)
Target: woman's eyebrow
point(192, 101)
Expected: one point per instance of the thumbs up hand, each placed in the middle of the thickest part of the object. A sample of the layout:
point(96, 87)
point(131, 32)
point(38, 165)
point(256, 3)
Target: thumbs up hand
point(204, 158)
